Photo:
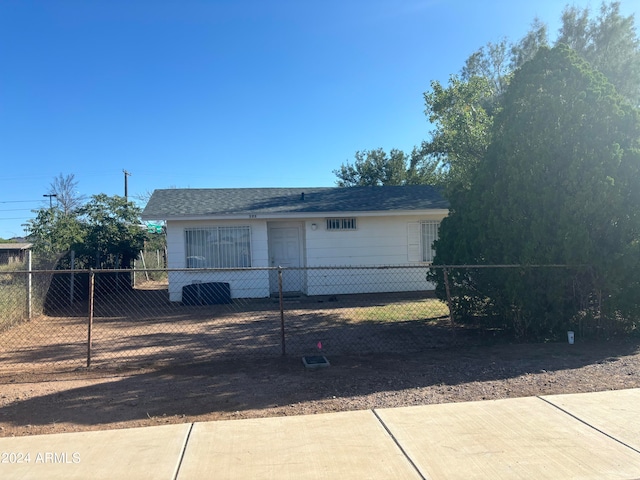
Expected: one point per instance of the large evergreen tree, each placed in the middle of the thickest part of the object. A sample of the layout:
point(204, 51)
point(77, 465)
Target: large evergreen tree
point(558, 184)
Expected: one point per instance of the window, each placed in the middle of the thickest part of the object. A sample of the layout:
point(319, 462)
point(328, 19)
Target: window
point(341, 223)
point(421, 236)
point(429, 235)
point(218, 247)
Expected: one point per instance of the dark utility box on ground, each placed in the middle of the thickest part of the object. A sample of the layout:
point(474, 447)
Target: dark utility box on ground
point(213, 293)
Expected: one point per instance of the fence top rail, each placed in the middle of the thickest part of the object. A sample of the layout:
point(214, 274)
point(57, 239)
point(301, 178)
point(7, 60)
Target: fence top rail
point(377, 267)
point(514, 265)
point(275, 269)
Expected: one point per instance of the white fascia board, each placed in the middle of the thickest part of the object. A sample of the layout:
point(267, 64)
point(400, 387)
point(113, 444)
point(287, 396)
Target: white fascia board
point(310, 215)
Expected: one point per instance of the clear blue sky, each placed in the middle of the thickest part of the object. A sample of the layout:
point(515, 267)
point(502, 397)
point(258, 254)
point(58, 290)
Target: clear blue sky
point(224, 93)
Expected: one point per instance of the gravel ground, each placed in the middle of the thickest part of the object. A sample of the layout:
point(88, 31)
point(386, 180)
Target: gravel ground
point(103, 399)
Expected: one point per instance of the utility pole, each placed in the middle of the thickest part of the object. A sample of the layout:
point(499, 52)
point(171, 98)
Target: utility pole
point(126, 184)
point(50, 195)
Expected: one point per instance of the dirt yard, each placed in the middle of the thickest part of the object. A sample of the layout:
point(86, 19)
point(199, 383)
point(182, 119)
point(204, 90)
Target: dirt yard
point(105, 399)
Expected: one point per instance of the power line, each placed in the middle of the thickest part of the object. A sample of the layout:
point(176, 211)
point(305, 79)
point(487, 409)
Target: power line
point(86, 174)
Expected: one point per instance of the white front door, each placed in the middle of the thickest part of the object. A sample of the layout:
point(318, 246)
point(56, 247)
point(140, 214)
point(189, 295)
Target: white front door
point(285, 250)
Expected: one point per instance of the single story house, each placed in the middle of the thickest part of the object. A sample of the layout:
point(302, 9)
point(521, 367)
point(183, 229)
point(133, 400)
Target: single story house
point(241, 228)
point(14, 252)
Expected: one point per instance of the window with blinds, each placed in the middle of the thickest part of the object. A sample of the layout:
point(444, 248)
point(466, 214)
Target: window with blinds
point(218, 247)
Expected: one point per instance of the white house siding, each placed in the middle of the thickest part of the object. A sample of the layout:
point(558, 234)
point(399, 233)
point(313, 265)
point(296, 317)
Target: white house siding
point(376, 241)
point(243, 283)
point(375, 280)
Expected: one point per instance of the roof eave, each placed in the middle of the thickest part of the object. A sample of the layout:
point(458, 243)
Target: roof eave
point(299, 215)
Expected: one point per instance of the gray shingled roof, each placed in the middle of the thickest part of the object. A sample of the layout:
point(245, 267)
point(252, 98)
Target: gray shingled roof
point(180, 202)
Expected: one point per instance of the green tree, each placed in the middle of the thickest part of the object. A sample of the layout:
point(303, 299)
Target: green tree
point(373, 168)
point(104, 233)
point(425, 169)
point(54, 232)
point(491, 62)
point(462, 116)
point(558, 184)
point(376, 168)
point(527, 47)
point(112, 233)
point(608, 42)
point(463, 111)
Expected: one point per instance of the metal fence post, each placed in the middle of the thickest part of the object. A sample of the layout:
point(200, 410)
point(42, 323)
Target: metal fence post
point(72, 278)
point(446, 287)
point(90, 319)
point(29, 286)
point(281, 311)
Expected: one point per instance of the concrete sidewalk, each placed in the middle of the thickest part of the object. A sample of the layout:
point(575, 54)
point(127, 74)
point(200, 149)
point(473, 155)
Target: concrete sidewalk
point(587, 436)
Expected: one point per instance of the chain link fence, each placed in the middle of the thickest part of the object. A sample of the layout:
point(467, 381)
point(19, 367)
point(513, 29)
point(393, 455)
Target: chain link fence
point(52, 320)
point(112, 318)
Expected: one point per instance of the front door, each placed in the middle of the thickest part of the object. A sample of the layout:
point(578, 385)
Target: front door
point(285, 250)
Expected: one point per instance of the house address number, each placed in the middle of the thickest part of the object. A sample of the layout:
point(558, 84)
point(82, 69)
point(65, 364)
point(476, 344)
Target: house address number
point(253, 216)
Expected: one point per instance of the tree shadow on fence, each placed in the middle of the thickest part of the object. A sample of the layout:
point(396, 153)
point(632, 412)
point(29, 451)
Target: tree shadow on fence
point(172, 333)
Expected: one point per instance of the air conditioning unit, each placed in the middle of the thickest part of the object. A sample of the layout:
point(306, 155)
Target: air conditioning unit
point(212, 293)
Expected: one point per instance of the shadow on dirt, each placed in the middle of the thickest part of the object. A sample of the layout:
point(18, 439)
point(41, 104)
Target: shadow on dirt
point(227, 386)
point(143, 328)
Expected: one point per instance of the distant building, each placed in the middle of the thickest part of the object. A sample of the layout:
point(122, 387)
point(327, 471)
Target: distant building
point(13, 252)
